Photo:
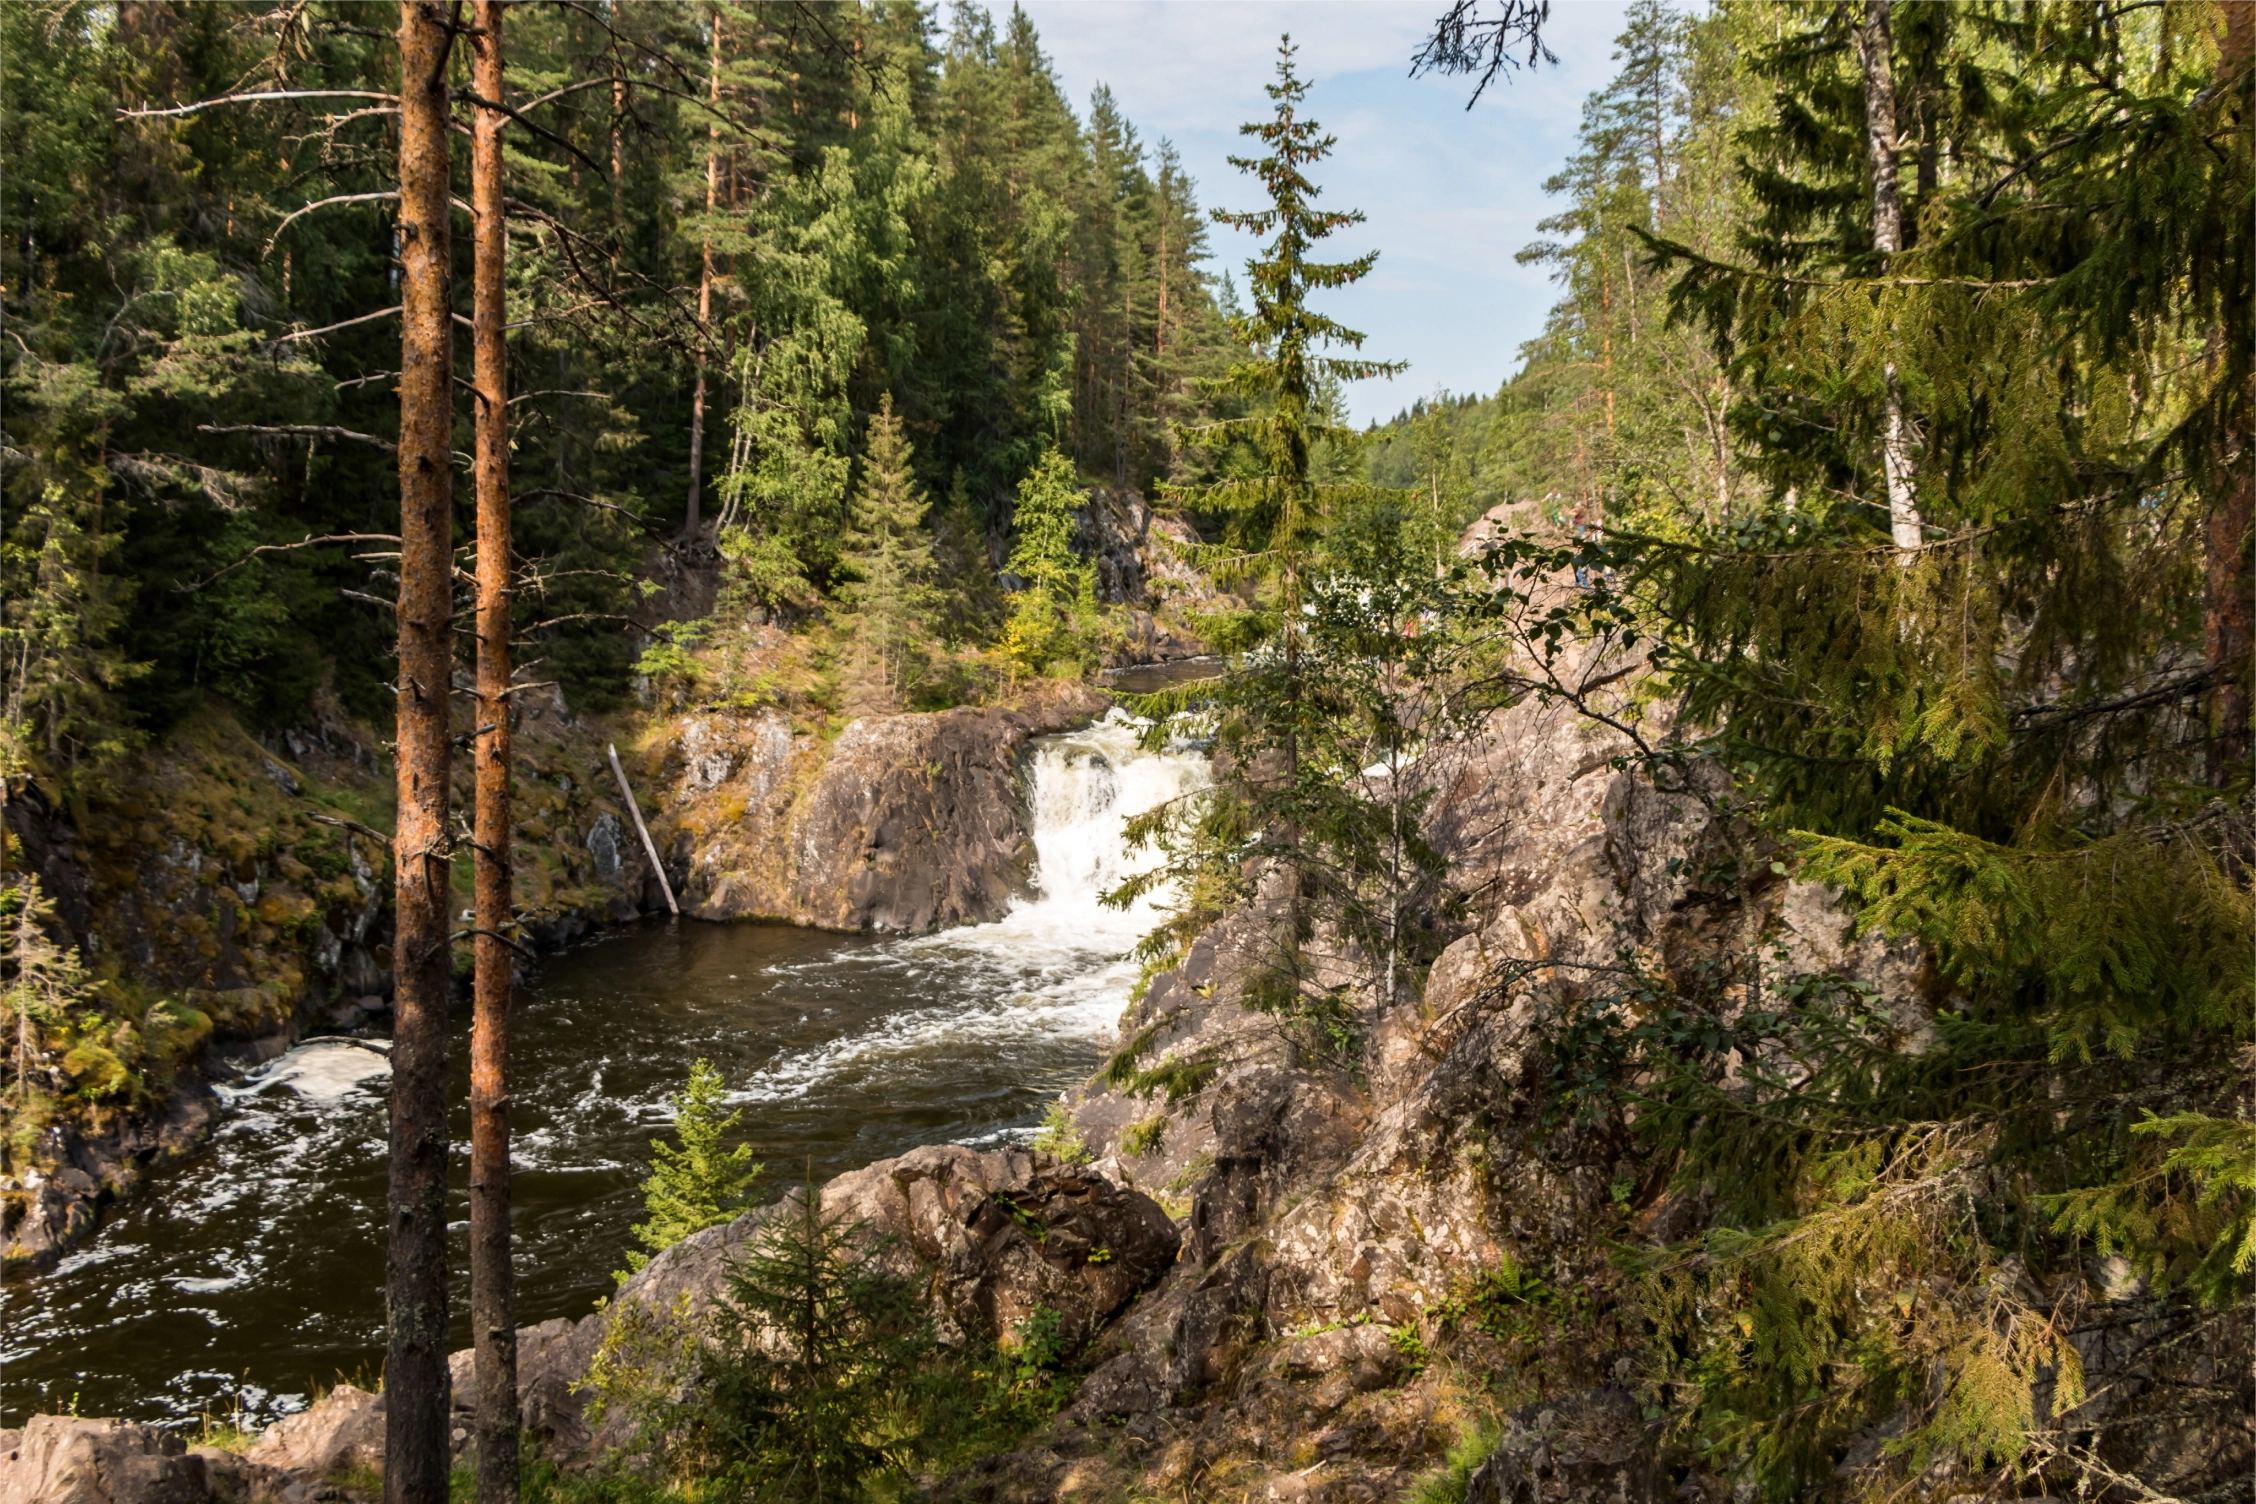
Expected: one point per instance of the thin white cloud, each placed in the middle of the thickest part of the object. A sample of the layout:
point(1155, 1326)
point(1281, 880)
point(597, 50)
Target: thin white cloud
point(1450, 194)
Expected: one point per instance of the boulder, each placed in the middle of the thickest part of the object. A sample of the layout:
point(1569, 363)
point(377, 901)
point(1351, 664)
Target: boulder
point(345, 1429)
point(1070, 1241)
point(1002, 1233)
point(62, 1459)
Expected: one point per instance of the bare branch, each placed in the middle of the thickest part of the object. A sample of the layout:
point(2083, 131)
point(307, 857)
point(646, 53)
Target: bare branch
point(283, 548)
point(303, 210)
point(264, 96)
point(301, 431)
point(352, 825)
point(537, 129)
point(366, 318)
point(1465, 41)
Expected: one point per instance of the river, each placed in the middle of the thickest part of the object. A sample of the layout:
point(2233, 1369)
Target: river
point(240, 1281)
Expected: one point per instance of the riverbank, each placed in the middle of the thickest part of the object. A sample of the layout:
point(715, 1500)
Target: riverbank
point(250, 1278)
point(232, 894)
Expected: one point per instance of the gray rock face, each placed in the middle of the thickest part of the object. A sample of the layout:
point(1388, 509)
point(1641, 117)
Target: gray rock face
point(345, 1430)
point(904, 823)
point(1002, 1234)
point(61, 1459)
point(1590, 1449)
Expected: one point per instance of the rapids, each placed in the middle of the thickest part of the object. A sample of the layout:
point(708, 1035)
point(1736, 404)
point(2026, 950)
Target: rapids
point(240, 1281)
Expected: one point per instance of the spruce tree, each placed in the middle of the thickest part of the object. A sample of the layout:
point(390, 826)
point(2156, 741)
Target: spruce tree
point(2002, 741)
point(700, 1183)
point(41, 982)
point(818, 1341)
point(1053, 615)
point(1278, 808)
point(889, 552)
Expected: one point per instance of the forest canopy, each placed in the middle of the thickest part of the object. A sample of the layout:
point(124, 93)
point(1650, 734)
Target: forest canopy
point(788, 215)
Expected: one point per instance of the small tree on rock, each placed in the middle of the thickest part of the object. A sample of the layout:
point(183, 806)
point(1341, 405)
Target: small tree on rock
point(819, 1344)
point(701, 1184)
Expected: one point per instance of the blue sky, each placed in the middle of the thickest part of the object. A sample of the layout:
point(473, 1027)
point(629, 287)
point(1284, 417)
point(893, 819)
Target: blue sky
point(1451, 195)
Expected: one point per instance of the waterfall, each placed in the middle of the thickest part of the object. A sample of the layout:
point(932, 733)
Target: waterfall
point(1055, 967)
point(1083, 787)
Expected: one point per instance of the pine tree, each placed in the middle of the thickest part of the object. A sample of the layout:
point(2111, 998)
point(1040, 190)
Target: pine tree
point(889, 552)
point(700, 1183)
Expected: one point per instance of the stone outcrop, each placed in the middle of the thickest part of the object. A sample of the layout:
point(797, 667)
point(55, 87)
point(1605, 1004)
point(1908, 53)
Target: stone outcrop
point(1142, 562)
point(344, 1430)
point(903, 823)
point(60, 1459)
point(1590, 1449)
point(999, 1233)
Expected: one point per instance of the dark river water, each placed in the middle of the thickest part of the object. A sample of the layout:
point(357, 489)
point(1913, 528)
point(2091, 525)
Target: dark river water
point(244, 1278)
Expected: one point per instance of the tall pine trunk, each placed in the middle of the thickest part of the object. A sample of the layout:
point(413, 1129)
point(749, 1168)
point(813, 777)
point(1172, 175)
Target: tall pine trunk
point(1876, 59)
point(705, 285)
point(493, 1323)
point(415, 1275)
point(2229, 614)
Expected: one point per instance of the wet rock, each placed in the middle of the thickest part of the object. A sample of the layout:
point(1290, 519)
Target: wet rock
point(1587, 1449)
point(62, 1459)
point(603, 846)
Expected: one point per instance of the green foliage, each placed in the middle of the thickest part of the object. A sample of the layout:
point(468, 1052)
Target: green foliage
point(1059, 1135)
point(43, 988)
point(670, 656)
point(819, 1344)
point(2012, 745)
point(699, 1183)
point(889, 555)
point(893, 211)
point(1053, 615)
point(1447, 1483)
point(1148, 1136)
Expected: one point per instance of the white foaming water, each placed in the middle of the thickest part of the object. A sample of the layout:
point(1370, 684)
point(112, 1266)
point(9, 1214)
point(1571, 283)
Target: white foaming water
point(323, 1069)
point(1057, 963)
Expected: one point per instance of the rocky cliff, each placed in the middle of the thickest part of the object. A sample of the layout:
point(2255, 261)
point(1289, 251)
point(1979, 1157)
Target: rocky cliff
point(906, 822)
point(1375, 1269)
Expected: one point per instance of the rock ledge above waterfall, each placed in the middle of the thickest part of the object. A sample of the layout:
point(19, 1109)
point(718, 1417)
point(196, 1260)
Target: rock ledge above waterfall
point(904, 823)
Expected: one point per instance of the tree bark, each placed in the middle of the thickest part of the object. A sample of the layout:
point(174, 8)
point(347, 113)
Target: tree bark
point(493, 1321)
point(2229, 615)
point(705, 285)
point(415, 1275)
point(2228, 624)
point(1876, 58)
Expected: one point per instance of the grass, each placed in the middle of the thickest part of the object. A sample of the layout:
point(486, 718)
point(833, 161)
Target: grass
point(1446, 1484)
